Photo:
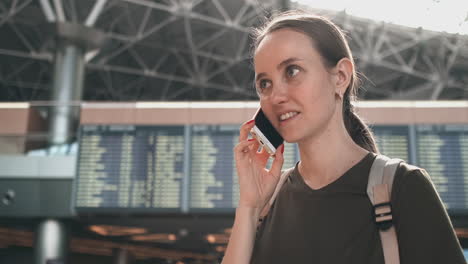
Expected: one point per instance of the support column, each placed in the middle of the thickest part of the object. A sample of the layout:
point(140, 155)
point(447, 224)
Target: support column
point(51, 242)
point(67, 89)
point(72, 43)
point(122, 256)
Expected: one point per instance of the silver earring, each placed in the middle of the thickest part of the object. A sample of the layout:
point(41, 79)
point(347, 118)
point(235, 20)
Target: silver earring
point(340, 95)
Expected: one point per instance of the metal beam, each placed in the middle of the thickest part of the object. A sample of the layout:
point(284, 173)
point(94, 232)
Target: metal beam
point(153, 30)
point(73, 12)
point(223, 68)
point(127, 70)
point(241, 12)
point(131, 85)
point(59, 10)
point(165, 89)
point(95, 12)
point(27, 85)
point(44, 70)
point(190, 42)
point(21, 36)
point(29, 55)
point(394, 52)
point(396, 67)
point(162, 59)
point(444, 71)
point(211, 38)
point(138, 59)
point(242, 44)
point(179, 92)
point(154, 74)
point(199, 53)
point(258, 11)
point(222, 11)
point(18, 70)
point(184, 64)
point(404, 46)
point(191, 15)
point(437, 90)
point(143, 23)
point(47, 9)
point(13, 11)
point(421, 91)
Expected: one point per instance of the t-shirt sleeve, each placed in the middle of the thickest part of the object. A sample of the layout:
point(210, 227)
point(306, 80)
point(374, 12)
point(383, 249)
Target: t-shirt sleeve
point(424, 230)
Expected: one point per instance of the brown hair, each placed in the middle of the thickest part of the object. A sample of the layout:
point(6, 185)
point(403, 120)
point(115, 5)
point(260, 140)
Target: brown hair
point(331, 44)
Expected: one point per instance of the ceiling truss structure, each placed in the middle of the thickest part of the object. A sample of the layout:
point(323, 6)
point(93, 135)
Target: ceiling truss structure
point(401, 63)
point(177, 50)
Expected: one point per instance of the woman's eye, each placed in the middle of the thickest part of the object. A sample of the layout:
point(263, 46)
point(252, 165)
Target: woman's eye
point(263, 84)
point(292, 70)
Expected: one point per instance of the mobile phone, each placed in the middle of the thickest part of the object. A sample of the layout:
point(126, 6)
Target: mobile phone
point(265, 133)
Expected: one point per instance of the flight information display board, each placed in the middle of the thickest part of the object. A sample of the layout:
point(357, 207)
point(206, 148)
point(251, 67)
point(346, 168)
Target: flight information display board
point(213, 177)
point(130, 167)
point(192, 168)
point(443, 152)
point(393, 141)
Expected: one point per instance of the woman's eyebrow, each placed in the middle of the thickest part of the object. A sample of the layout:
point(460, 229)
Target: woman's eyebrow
point(286, 62)
point(279, 66)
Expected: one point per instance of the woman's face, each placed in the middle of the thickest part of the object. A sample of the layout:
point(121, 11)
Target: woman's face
point(296, 90)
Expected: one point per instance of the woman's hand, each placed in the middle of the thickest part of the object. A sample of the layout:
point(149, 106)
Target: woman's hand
point(257, 183)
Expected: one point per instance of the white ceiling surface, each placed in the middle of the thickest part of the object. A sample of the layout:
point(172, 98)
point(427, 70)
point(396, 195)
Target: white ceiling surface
point(449, 16)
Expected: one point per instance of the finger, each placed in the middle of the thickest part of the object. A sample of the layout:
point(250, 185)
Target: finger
point(264, 154)
point(255, 146)
point(278, 161)
point(244, 147)
point(245, 130)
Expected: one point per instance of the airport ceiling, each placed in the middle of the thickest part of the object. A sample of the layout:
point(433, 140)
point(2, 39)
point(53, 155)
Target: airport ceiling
point(178, 50)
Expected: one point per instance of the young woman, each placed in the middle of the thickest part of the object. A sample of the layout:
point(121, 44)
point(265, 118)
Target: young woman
point(305, 78)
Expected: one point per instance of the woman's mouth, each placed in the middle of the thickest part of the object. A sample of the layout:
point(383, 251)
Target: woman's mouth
point(287, 117)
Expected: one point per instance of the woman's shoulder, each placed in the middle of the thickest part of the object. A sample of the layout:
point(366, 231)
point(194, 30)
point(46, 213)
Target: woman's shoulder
point(412, 180)
point(406, 173)
point(418, 210)
point(409, 172)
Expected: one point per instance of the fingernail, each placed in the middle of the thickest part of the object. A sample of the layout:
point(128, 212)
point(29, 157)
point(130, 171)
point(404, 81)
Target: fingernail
point(251, 139)
point(282, 149)
point(250, 122)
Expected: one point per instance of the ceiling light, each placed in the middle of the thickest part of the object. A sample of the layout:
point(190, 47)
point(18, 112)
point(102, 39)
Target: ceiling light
point(108, 230)
point(217, 238)
point(160, 238)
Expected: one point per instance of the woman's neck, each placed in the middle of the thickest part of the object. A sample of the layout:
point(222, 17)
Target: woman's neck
point(327, 156)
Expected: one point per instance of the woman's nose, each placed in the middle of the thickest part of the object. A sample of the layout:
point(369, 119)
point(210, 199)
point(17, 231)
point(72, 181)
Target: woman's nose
point(279, 94)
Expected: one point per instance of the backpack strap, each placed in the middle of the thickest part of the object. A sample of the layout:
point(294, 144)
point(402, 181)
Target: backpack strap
point(283, 177)
point(379, 188)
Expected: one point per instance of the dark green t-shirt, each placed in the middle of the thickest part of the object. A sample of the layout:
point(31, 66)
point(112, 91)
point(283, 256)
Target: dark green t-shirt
point(335, 224)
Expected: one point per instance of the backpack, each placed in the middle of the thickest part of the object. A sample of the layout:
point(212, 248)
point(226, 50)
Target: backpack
point(379, 188)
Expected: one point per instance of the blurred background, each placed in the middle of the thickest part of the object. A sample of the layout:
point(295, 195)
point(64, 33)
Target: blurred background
point(118, 117)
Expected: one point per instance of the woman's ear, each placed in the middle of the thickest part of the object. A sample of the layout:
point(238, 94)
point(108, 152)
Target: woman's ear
point(343, 74)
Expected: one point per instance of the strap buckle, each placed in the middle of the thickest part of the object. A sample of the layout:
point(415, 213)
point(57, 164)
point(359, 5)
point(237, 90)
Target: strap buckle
point(383, 216)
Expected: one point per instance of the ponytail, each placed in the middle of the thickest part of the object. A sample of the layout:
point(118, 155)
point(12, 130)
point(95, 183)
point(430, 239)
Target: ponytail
point(357, 128)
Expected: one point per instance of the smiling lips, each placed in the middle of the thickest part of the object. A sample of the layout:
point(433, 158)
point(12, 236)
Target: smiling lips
point(288, 115)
